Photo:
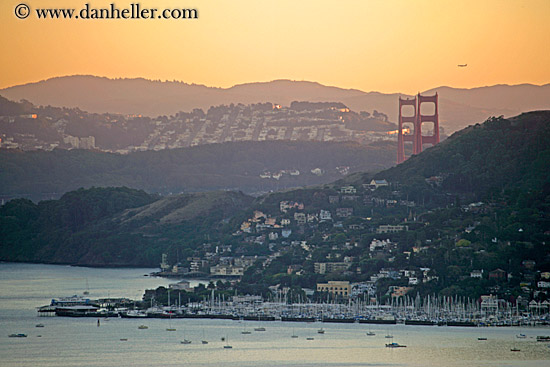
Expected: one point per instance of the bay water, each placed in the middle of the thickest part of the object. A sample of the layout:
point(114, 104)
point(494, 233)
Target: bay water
point(75, 342)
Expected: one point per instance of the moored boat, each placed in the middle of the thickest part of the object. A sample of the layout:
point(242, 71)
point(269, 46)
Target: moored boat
point(395, 345)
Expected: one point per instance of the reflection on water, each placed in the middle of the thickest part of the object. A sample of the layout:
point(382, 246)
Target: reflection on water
point(80, 342)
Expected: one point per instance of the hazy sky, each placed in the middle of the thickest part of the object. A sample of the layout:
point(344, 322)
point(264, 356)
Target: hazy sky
point(381, 45)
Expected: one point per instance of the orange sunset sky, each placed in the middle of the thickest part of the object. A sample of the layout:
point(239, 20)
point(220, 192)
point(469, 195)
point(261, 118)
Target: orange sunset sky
point(372, 45)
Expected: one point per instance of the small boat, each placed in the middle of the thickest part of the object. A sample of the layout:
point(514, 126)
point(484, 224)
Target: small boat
point(259, 328)
point(370, 333)
point(204, 341)
point(39, 325)
point(481, 338)
point(123, 339)
point(87, 291)
point(227, 346)
point(388, 336)
point(170, 329)
point(321, 331)
point(395, 345)
point(544, 338)
point(20, 335)
point(310, 338)
point(245, 331)
point(515, 350)
point(186, 341)
point(142, 327)
point(521, 336)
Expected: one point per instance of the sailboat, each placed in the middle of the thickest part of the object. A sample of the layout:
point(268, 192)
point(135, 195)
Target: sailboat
point(481, 337)
point(87, 291)
point(294, 334)
point(203, 341)
point(321, 330)
point(185, 340)
point(170, 328)
point(370, 332)
point(245, 331)
point(227, 346)
point(260, 328)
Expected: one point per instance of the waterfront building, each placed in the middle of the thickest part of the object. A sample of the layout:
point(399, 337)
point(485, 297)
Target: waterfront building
point(335, 288)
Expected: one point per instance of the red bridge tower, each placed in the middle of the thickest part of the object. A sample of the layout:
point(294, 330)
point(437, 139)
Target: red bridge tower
point(412, 132)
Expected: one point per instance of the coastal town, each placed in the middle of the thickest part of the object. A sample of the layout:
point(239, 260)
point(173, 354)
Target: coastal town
point(329, 281)
point(47, 128)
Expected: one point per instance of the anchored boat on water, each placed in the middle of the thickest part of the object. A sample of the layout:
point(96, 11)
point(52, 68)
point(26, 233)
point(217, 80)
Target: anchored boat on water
point(395, 345)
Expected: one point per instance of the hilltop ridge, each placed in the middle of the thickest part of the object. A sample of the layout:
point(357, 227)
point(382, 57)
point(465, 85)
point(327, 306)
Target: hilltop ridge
point(459, 107)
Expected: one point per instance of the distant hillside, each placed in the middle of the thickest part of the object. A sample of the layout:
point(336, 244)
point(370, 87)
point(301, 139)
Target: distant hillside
point(235, 166)
point(458, 107)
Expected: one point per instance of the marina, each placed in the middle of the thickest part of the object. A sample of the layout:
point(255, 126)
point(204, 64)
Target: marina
point(78, 341)
point(417, 313)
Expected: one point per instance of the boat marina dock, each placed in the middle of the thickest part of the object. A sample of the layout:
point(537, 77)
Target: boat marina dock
point(436, 314)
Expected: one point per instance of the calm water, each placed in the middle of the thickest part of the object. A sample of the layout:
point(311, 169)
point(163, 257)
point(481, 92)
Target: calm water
point(79, 342)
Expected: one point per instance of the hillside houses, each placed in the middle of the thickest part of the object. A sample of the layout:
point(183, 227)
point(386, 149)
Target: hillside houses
point(285, 206)
point(375, 184)
point(344, 232)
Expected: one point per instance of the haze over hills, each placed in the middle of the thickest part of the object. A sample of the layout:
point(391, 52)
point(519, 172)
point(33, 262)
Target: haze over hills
point(458, 107)
point(245, 166)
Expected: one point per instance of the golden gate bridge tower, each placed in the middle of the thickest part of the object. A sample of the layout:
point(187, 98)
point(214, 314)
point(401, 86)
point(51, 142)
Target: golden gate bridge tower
point(412, 125)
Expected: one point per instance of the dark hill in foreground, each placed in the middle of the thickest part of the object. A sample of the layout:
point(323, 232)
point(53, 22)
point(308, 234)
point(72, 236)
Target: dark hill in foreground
point(112, 226)
point(500, 154)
